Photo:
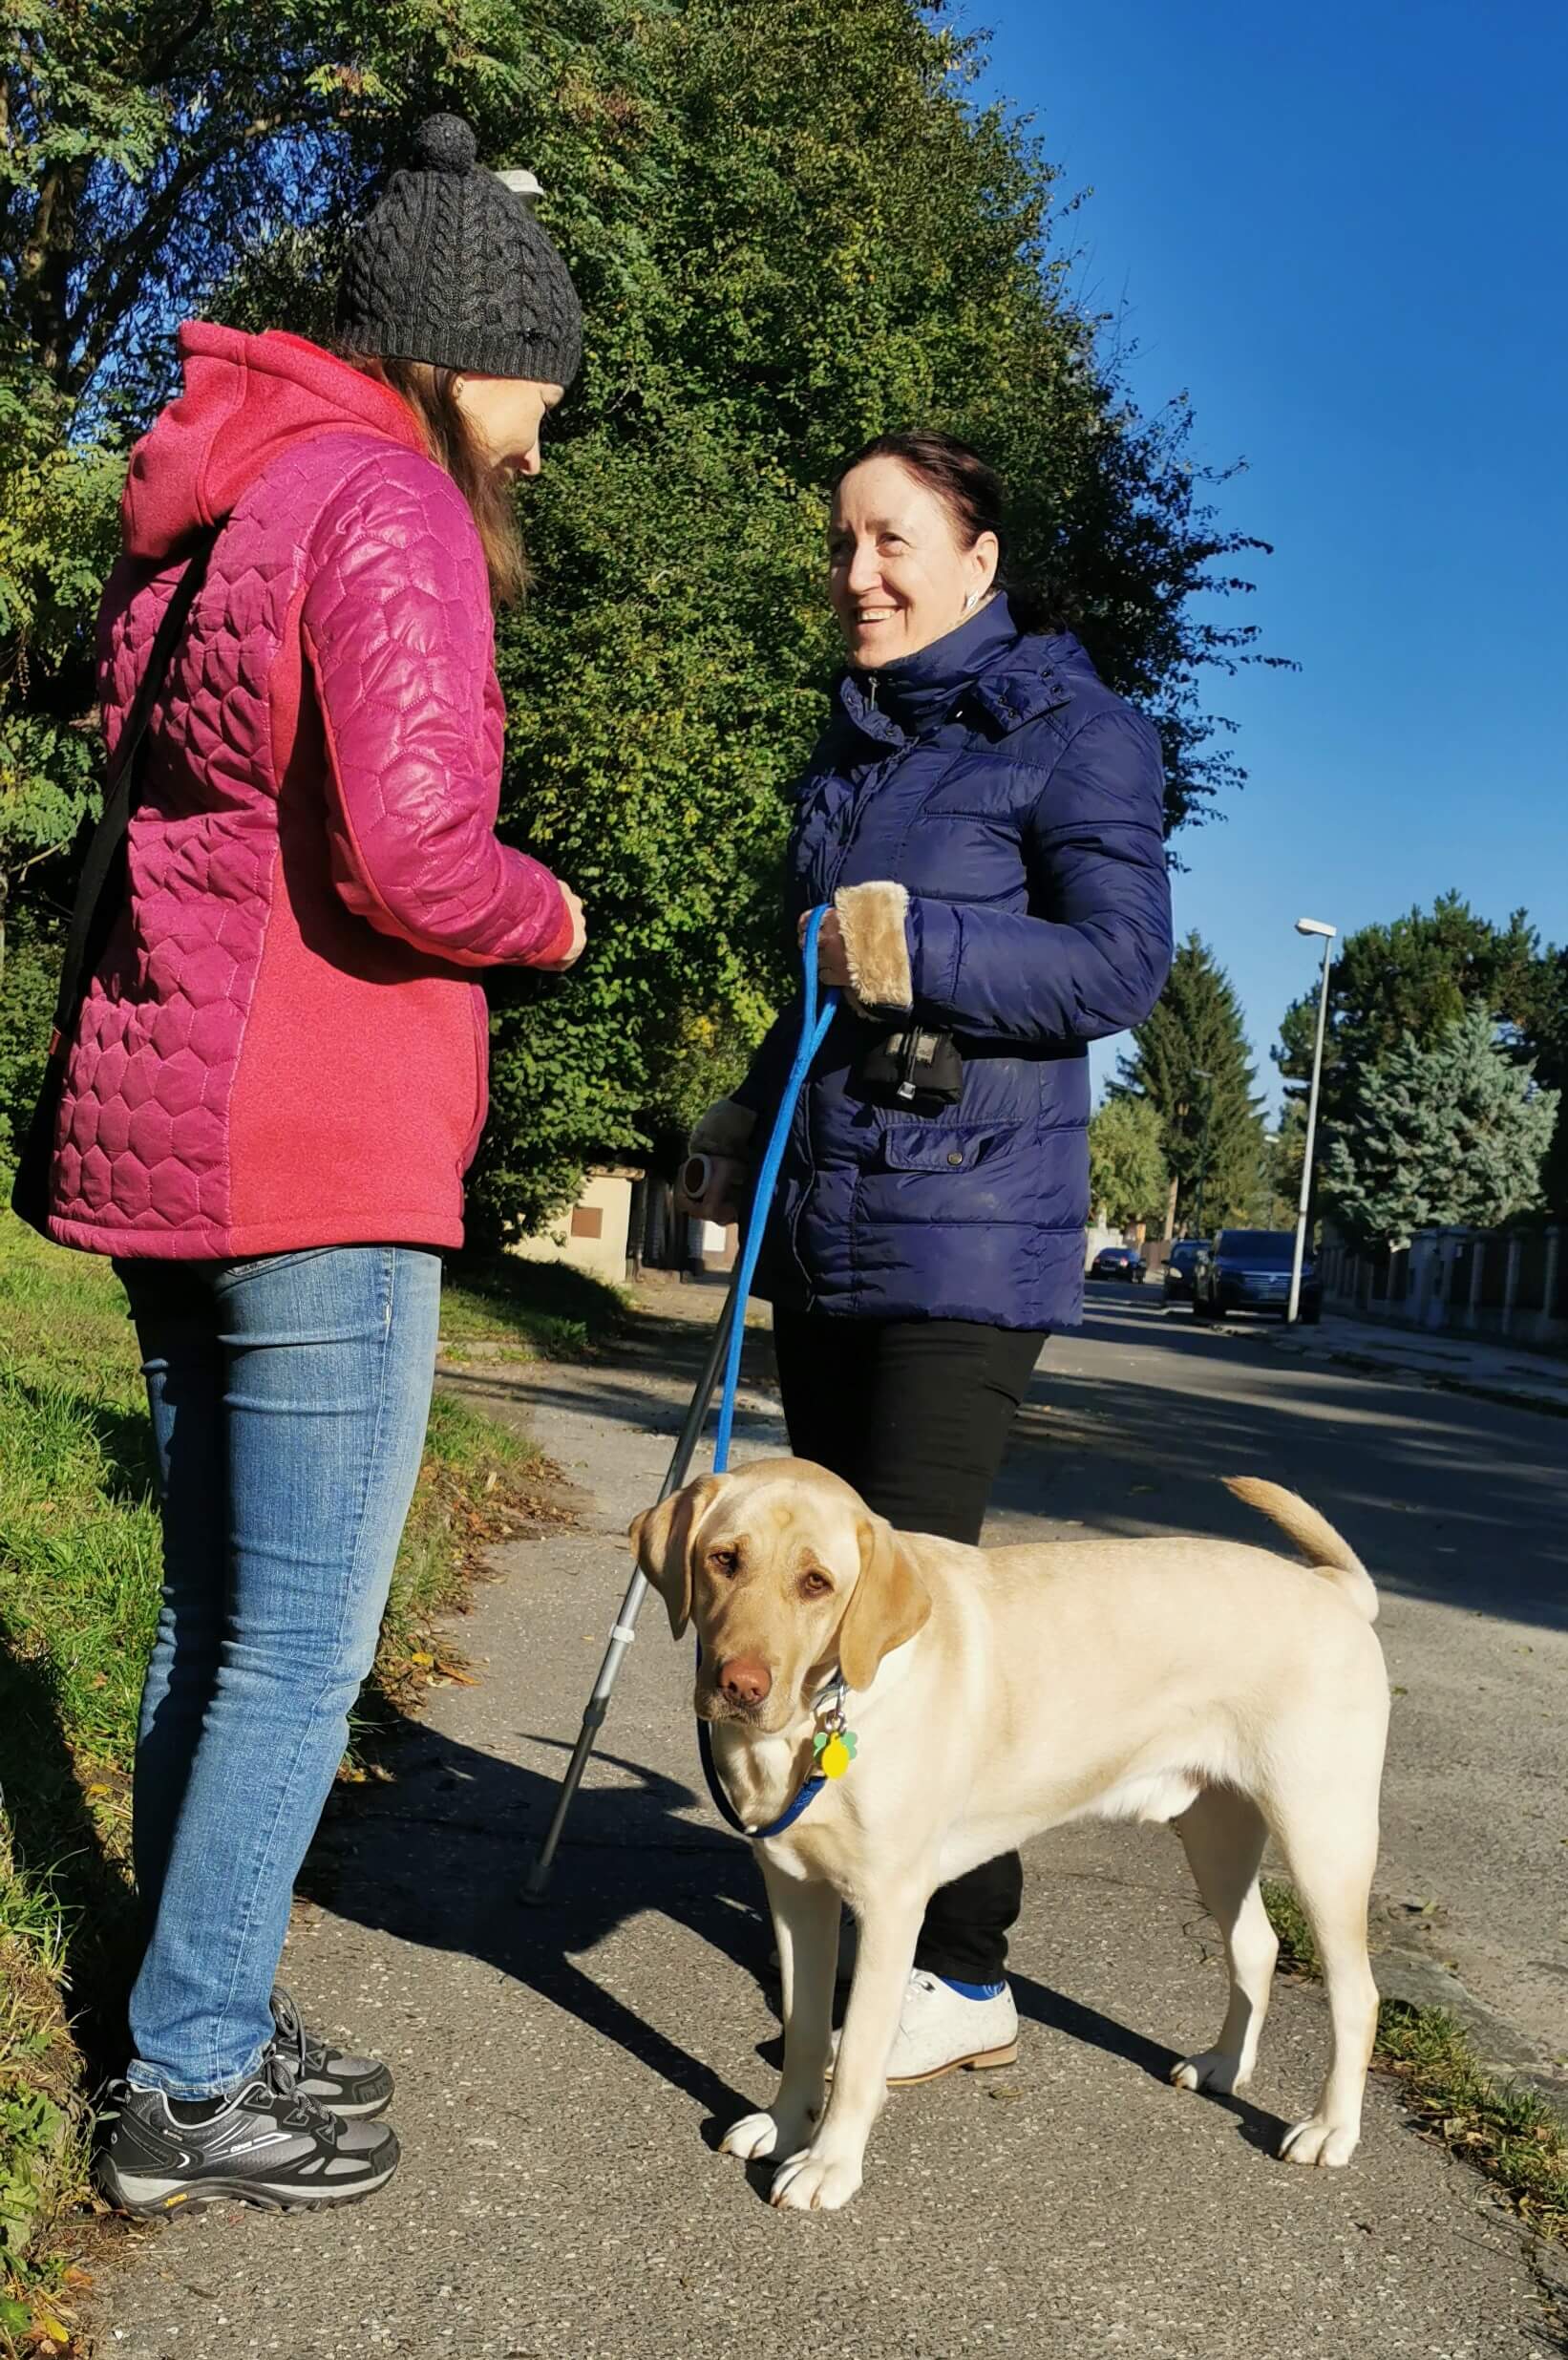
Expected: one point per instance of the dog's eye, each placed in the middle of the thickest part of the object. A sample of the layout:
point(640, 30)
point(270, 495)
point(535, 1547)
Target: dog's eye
point(724, 1561)
point(816, 1584)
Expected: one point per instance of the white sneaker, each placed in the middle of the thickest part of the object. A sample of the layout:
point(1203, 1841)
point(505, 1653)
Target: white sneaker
point(942, 2029)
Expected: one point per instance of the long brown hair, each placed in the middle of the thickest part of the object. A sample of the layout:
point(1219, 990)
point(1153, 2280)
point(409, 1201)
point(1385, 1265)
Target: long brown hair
point(429, 393)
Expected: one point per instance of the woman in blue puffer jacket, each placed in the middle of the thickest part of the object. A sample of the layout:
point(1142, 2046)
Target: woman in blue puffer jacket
point(986, 820)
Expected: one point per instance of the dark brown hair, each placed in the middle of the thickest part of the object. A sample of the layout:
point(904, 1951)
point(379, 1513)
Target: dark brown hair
point(973, 496)
point(429, 393)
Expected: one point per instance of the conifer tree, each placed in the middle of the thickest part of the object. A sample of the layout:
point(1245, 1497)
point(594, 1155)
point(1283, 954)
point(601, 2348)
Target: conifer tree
point(1190, 1061)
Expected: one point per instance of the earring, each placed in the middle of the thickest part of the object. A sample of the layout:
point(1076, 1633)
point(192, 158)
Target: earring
point(971, 602)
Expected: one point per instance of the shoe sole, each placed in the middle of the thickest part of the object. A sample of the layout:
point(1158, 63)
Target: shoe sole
point(146, 2197)
point(983, 2061)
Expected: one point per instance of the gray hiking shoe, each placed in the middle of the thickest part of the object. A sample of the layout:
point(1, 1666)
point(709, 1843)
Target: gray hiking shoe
point(268, 2145)
point(353, 2087)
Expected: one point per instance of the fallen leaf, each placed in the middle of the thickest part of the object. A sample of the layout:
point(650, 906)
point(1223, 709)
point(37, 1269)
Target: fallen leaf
point(420, 1658)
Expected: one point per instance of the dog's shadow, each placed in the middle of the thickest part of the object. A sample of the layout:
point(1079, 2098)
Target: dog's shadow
point(439, 1856)
point(1038, 2003)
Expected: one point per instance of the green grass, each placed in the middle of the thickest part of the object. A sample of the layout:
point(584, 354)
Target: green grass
point(539, 1308)
point(79, 1568)
point(1507, 2130)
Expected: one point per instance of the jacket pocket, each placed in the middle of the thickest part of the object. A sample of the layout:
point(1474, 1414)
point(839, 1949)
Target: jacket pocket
point(949, 1148)
point(479, 1008)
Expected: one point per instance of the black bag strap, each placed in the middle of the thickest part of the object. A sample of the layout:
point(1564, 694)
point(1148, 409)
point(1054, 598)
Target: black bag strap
point(109, 836)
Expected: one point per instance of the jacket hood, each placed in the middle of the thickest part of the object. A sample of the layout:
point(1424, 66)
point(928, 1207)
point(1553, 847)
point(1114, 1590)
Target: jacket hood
point(1013, 674)
point(246, 399)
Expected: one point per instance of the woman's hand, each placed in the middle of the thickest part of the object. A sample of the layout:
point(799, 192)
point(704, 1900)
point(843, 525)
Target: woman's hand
point(832, 958)
point(573, 951)
point(724, 1197)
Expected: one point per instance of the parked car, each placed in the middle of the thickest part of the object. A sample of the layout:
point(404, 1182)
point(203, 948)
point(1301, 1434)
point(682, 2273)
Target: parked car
point(1249, 1270)
point(1178, 1267)
point(1123, 1261)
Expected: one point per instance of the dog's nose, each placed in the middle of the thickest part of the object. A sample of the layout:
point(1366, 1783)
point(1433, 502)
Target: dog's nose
point(743, 1680)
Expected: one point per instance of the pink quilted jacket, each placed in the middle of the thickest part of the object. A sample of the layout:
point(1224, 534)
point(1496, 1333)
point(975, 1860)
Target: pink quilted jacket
point(284, 1043)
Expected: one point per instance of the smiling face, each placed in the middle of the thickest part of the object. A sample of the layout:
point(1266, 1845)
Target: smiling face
point(505, 415)
point(900, 571)
point(788, 1577)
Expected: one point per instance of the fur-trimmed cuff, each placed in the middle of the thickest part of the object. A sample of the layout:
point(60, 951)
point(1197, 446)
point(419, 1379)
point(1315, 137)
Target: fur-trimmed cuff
point(871, 919)
point(725, 1130)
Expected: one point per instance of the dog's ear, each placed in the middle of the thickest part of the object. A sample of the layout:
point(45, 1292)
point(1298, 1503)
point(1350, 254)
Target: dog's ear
point(889, 1604)
point(664, 1544)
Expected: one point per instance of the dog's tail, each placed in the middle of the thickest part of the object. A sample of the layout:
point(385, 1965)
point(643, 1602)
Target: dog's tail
point(1313, 1535)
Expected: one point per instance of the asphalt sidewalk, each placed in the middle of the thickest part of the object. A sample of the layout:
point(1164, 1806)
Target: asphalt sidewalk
point(1475, 1365)
point(564, 2071)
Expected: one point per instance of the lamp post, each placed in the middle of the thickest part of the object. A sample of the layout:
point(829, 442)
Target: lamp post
point(1310, 926)
point(1200, 1074)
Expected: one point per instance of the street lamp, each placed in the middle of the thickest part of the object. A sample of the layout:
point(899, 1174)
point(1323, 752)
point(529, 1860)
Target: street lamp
point(1310, 926)
point(1201, 1073)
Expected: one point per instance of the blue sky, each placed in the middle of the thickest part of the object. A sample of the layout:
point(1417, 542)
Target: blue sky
point(1345, 233)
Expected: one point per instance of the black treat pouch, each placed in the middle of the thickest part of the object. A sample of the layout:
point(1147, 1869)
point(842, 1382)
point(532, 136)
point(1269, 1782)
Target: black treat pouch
point(913, 1069)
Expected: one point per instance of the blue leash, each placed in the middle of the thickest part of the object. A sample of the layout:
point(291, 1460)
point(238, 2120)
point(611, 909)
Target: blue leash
point(815, 1022)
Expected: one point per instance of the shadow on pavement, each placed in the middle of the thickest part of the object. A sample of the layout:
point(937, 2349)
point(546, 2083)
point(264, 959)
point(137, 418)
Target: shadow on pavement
point(1444, 1498)
point(440, 1857)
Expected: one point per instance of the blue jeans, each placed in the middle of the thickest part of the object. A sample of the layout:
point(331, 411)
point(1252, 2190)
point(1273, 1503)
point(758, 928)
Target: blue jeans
point(289, 1395)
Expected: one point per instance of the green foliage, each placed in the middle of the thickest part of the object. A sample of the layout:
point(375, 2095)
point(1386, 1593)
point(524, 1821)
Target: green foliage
point(28, 984)
point(1543, 1036)
point(1128, 1179)
point(1189, 1061)
point(1416, 977)
point(1277, 1187)
point(1451, 1134)
point(791, 226)
point(58, 514)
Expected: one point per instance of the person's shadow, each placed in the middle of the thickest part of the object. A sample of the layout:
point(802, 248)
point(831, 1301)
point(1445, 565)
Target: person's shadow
point(441, 1856)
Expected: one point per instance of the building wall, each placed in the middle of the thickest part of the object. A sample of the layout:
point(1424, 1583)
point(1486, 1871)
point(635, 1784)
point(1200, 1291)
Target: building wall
point(593, 1235)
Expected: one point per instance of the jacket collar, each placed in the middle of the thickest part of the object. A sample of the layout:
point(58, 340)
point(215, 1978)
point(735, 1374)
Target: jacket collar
point(986, 662)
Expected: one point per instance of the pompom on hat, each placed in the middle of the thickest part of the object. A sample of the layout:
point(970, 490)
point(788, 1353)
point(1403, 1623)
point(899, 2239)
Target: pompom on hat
point(450, 266)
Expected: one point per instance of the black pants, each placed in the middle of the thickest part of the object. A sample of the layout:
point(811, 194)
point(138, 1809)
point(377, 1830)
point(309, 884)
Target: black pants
point(915, 1413)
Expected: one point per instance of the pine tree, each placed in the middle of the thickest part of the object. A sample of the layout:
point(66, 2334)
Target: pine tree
point(1190, 1062)
point(1453, 1134)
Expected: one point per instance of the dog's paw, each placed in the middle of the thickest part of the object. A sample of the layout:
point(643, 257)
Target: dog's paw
point(1330, 2144)
point(751, 2137)
point(812, 2183)
point(756, 2135)
point(1212, 2069)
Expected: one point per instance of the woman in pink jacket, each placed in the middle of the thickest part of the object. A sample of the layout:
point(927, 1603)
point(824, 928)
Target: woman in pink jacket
point(278, 1080)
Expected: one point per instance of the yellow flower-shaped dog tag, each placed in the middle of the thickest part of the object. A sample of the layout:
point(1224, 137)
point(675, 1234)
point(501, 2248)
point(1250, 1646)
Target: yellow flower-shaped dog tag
point(835, 1753)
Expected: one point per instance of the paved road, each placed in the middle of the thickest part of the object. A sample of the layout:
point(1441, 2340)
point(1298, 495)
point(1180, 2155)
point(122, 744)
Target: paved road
point(1460, 1510)
point(562, 2069)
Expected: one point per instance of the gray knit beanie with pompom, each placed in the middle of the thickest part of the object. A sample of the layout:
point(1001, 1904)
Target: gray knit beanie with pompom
point(448, 266)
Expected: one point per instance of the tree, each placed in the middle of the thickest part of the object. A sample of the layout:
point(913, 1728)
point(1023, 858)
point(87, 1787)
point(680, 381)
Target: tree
point(1128, 1180)
point(1453, 1134)
point(1416, 976)
point(792, 228)
point(1190, 1062)
point(1543, 1036)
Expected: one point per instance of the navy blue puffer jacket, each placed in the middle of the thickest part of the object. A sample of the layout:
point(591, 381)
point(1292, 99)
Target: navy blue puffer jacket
point(987, 818)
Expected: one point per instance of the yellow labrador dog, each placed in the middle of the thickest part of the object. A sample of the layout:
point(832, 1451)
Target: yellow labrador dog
point(993, 1693)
